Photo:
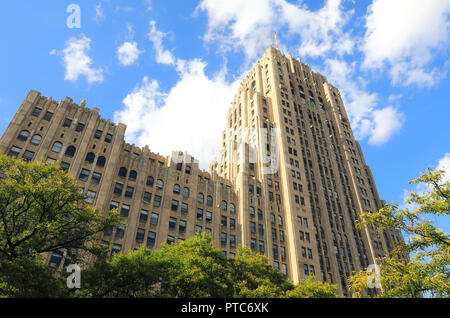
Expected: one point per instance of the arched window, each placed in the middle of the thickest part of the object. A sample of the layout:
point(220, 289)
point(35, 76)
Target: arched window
point(200, 198)
point(176, 189)
point(224, 205)
point(57, 146)
point(133, 175)
point(24, 134)
point(186, 193)
point(150, 181)
point(232, 208)
point(90, 157)
point(160, 184)
point(36, 140)
point(252, 211)
point(70, 152)
point(101, 161)
point(123, 172)
point(209, 200)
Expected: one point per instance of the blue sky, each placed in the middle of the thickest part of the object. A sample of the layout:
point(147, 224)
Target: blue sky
point(155, 65)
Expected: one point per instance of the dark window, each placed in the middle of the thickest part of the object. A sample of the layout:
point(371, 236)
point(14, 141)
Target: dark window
point(98, 134)
point(199, 214)
point(179, 166)
point(224, 220)
point(140, 235)
point(200, 198)
point(24, 134)
point(48, 116)
point(209, 200)
point(170, 240)
point(223, 205)
point(160, 184)
point(113, 205)
point(129, 192)
point(157, 201)
point(133, 175)
point(151, 238)
point(36, 112)
point(120, 231)
point(150, 181)
point(184, 208)
point(147, 197)
point(182, 226)
point(28, 155)
point(36, 140)
point(84, 175)
point(123, 172)
point(90, 157)
point(118, 188)
point(64, 166)
point(125, 210)
point(67, 122)
point(116, 249)
point(176, 188)
point(101, 161)
point(188, 170)
point(70, 152)
point(80, 127)
point(55, 259)
point(57, 146)
point(108, 138)
point(154, 219)
point(96, 177)
point(172, 223)
point(174, 206)
point(144, 216)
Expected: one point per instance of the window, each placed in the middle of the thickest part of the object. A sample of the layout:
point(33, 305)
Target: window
point(113, 205)
point(67, 122)
point(51, 160)
point(143, 216)
point(200, 198)
point(123, 172)
point(48, 115)
point(108, 138)
point(57, 146)
point(151, 238)
point(98, 134)
point(150, 181)
point(261, 246)
point(176, 189)
point(224, 220)
point(252, 227)
point(223, 238)
point(175, 205)
point(108, 230)
point(199, 214)
point(84, 175)
point(172, 223)
point(90, 157)
point(179, 166)
point(182, 226)
point(209, 200)
point(208, 216)
point(232, 240)
point(253, 244)
point(70, 152)
point(232, 224)
point(170, 240)
point(184, 208)
point(154, 219)
point(116, 249)
point(157, 201)
point(28, 155)
point(133, 175)
point(186, 193)
point(36, 140)
point(118, 188)
point(147, 197)
point(160, 184)
point(80, 127)
point(36, 112)
point(260, 214)
point(90, 197)
point(96, 177)
point(125, 211)
point(101, 161)
point(252, 211)
point(140, 234)
point(129, 192)
point(188, 170)
point(232, 208)
point(64, 166)
point(55, 259)
point(198, 229)
point(120, 231)
point(224, 205)
point(23, 135)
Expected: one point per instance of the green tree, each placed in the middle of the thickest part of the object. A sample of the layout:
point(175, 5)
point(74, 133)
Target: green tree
point(428, 268)
point(42, 210)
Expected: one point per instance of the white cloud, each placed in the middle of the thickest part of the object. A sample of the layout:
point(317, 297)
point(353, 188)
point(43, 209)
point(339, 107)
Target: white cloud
point(444, 164)
point(162, 56)
point(405, 34)
point(386, 122)
point(128, 53)
point(76, 61)
point(99, 14)
point(249, 25)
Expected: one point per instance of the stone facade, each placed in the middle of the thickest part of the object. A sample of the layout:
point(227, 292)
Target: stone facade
point(289, 182)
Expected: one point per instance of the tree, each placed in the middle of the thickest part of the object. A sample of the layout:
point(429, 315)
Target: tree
point(42, 210)
point(428, 270)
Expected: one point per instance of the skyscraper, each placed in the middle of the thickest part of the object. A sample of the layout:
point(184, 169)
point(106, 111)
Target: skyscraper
point(289, 181)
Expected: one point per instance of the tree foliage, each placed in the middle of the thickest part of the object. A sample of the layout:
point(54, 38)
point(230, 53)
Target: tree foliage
point(428, 269)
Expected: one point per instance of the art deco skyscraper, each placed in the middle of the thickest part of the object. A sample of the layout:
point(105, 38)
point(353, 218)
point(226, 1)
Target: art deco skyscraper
point(289, 182)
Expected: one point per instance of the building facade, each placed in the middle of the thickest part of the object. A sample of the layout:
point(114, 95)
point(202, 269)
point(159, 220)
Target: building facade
point(289, 181)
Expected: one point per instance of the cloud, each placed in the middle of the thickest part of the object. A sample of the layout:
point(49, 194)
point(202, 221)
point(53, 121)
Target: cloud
point(77, 62)
point(405, 34)
point(190, 116)
point(386, 122)
point(162, 56)
point(99, 14)
point(444, 164)
point(128, 53)
point(249, 25)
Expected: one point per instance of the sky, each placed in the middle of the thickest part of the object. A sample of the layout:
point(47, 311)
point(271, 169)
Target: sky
point(169, 69)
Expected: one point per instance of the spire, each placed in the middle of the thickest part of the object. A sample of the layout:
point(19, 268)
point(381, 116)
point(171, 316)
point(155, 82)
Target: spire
point(276, 40)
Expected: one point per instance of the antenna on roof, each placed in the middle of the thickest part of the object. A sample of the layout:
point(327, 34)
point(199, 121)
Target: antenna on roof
point(276, 40)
